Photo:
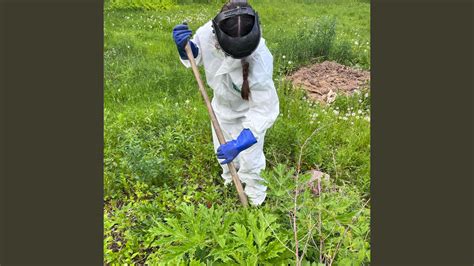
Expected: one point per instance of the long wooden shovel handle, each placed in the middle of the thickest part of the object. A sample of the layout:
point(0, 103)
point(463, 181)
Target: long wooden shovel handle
point(215, 124)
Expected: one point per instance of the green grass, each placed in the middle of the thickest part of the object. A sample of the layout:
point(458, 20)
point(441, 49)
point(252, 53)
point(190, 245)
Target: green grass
point(158, 151)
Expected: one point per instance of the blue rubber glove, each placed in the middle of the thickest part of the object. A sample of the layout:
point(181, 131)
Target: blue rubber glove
point(231, 149)
point(181, 35)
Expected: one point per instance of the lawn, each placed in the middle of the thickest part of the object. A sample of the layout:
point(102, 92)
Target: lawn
point(164, 198)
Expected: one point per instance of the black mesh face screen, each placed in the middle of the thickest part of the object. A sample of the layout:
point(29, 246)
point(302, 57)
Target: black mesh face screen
point(237, 26)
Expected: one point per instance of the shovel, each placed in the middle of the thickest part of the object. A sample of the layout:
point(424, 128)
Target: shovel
point(215, 124)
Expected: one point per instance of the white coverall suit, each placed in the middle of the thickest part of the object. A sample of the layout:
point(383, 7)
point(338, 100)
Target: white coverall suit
point(224, 76)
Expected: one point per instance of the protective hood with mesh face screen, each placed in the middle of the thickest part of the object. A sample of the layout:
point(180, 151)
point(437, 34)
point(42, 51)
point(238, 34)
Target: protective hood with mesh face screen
point(240, 46)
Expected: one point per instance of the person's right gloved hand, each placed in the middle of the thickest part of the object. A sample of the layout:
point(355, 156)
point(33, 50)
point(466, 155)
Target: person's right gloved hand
point(181, 36)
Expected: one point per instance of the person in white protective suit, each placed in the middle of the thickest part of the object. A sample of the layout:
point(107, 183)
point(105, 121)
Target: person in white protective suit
point(239, 69)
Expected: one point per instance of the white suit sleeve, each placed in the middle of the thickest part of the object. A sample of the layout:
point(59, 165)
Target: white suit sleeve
point(198, 59)
point(264, 108)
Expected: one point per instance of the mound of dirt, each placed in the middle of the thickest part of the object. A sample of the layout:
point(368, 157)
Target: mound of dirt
point(322, 81)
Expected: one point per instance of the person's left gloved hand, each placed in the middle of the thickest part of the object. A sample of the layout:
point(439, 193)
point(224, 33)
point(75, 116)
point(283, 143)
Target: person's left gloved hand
point(231, 149)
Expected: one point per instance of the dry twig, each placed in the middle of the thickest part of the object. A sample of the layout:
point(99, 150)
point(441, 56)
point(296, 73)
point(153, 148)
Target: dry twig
point(295, 208)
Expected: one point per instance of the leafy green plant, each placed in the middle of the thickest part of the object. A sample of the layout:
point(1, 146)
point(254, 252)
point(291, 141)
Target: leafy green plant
point(333, 225)
point(213, 235)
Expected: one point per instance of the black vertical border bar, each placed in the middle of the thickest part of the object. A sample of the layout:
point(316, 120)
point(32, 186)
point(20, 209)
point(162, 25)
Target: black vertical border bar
point(422, 132)
point(2, 132)
point(52, 132)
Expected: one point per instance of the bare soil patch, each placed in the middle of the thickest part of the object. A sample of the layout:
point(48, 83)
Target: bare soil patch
point(324, 80)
